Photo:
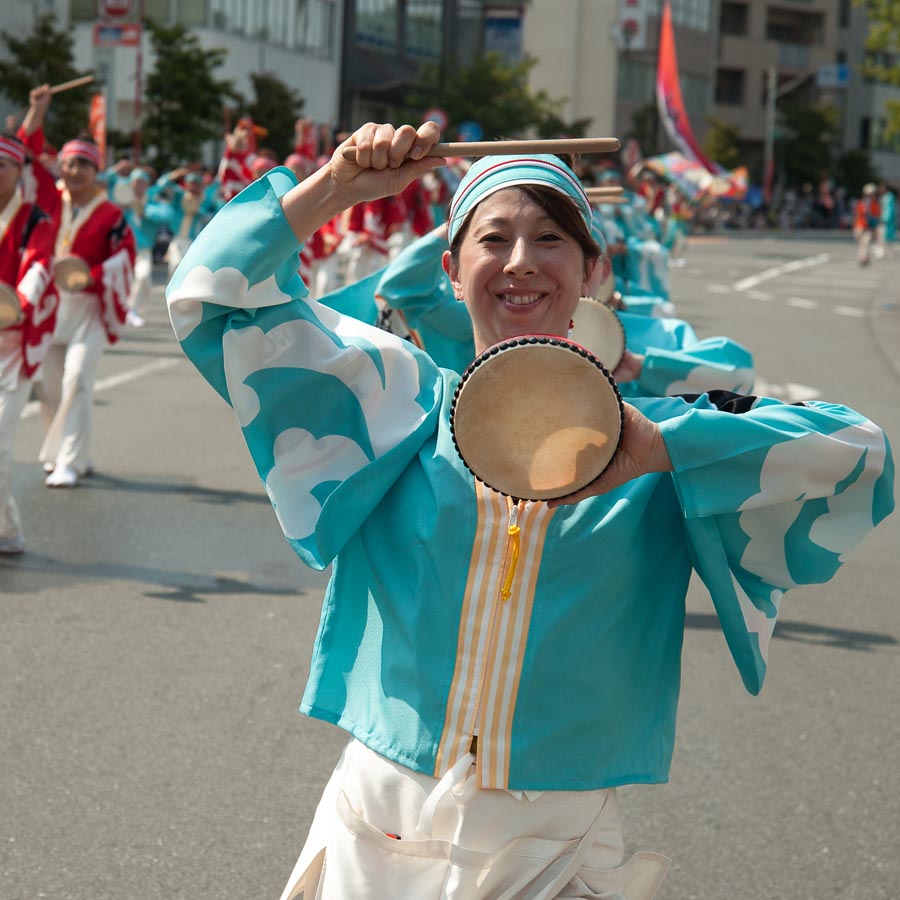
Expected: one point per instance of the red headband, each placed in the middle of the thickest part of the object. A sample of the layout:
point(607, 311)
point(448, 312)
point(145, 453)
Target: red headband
point(82, 150)
point(13, 150)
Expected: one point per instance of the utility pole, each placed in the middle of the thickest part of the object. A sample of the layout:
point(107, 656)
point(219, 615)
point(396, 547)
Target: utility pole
point(773, 92)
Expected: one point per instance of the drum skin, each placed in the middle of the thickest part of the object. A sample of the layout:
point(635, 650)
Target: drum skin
point(599, 329)
point(537, 417)
point(10, 308)
point(71, 273)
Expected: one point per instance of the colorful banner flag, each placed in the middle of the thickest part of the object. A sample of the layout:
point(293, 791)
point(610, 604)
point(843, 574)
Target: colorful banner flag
point(668, 96)
point(694, 180)
point(97, 122)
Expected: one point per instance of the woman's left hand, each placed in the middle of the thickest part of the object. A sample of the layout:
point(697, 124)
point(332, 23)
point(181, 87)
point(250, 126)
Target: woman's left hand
point(642, 450)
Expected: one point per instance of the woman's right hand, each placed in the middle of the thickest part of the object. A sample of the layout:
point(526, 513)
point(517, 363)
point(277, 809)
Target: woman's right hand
point(386, 160)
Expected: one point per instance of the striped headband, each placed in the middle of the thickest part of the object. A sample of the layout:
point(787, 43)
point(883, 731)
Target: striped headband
point(12, 149)
point(494, 173)
point(82, 150)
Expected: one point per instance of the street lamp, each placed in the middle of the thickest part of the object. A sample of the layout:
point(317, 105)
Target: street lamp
point(773, 92)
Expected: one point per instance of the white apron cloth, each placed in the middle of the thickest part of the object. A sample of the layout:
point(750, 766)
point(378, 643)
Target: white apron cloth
point(383, 831)
point(67, 382)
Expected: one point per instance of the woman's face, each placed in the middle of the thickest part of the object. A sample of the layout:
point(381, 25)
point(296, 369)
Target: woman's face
point(517, 271)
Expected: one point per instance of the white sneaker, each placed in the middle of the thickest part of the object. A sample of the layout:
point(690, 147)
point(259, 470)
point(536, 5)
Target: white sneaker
point(62, 477)
point(48, 467)
point(134, 320)
point(11, 545)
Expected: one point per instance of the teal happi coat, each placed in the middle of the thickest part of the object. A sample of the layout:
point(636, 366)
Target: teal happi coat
point(572, 681)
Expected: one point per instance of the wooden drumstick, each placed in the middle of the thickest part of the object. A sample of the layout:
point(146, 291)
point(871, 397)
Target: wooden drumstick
point(74, 83)
point(510, 148)
point(58, 88)
point(613, 190)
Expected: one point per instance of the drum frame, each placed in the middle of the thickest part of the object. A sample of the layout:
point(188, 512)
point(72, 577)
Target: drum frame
point(524, 340)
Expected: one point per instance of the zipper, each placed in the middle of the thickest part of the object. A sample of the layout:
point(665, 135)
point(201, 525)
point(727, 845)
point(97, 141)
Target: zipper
point(511, 560)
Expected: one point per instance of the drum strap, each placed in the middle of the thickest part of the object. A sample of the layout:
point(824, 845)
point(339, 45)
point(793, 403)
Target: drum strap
point(8, 213)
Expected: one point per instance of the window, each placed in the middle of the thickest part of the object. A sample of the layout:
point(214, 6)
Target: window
point(730, 87)
point(690, 13)
point(423, 28)
point(792, 27)
point(315, 27)
point(733, 18)
point(376, 22)
point(636, 81)
point(844, 14)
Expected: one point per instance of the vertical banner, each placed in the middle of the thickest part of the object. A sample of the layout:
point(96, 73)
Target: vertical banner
point(668, 96)
point(97, 122)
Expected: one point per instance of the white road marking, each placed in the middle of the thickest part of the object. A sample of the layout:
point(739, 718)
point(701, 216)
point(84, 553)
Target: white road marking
point(159, 365)
point(746, 283)
point(854, 311)
point(802, 303)
point(719, 289)
point(759, 295)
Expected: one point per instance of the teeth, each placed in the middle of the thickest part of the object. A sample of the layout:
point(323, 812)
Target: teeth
point(520, 299)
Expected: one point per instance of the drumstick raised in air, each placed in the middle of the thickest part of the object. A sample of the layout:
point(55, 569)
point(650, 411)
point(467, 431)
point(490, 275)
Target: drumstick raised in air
point(74, 83)
point(510, 148)
point(59, 88)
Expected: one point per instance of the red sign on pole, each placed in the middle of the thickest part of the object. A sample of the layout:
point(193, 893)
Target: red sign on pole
point(114, 9)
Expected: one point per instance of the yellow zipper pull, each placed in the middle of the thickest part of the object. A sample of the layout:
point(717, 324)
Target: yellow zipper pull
point(513, 531)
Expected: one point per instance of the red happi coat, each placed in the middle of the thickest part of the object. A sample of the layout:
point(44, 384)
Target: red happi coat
point(38, 181)
point(101, 237)
point(26, 258)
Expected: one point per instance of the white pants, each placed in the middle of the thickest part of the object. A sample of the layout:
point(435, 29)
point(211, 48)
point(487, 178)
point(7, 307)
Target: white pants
point(363, 261)
point(67, 386)
point(14, 392)
point(178, 246)
point(140, 285)
point(383, 831)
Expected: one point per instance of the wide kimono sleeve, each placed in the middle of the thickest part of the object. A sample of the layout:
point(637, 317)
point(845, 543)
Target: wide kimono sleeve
point(676, 361)
point(331, 409)
point(774, 496)
point(37, 293)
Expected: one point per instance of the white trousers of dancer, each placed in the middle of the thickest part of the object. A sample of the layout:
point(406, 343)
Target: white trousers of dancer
point(382, 830)
point(362, 261)
point(67, 386)
point(178, 246)
point(14, 393)
point(140, 285)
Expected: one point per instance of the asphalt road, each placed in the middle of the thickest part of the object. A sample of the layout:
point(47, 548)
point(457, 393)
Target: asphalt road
point(156, 637)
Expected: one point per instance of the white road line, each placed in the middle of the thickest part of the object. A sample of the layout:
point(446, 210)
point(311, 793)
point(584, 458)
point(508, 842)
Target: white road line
point(802, 303)
point(719, 289)
point(746, 283)
point(759, 295)
point(32, 409)
point(854, 311)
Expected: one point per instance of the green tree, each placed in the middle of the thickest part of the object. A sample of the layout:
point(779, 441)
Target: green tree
point(854, 169)
point(883, 51)
point(810, 141)
point(276, 108)
point(645, 129)
point(722, 144)
point(183, 98)
point(490, 91)
point(45, 57)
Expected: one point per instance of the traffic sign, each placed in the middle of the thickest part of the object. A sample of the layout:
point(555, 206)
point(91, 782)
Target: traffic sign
point(833, 75)
point(438, 115)
point(114, 9)
point(114, 34)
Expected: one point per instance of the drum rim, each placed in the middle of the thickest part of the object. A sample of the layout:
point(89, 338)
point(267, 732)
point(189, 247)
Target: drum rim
point(618, 319)
point(10, 291)
point(534, 339)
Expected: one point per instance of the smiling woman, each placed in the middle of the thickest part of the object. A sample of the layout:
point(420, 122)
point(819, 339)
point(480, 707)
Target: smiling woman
point(500, 665)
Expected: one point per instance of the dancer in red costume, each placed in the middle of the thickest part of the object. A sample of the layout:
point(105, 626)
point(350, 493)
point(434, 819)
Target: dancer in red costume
point(92, 308)
point(27, 318)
